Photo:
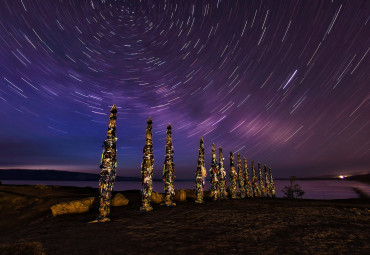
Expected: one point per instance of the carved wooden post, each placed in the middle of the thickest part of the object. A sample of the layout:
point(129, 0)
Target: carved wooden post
point(147, 169)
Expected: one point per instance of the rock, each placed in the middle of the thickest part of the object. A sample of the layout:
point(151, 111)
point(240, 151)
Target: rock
point(190, 193)
point(180, 195)
point(76, 206)
point(119, 200)
point(157, 198)
point(209, 193)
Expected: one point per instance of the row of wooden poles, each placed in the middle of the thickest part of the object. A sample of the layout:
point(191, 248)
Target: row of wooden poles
point(241, 186)
point(239, 179)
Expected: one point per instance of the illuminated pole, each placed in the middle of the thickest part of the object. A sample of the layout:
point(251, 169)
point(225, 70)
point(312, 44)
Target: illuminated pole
point(233, 177)
point(262, 185)
point(169, 170)
point(255, 188)
point(241, 178)
point(147, 169)
point(214, 175)
point(248, 185)
point(200, 174)
point(267, 183)
point(272, 185)
point(222, 175)
point(108, 169)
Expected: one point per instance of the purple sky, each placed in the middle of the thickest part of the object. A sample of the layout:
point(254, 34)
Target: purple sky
point(285, 83)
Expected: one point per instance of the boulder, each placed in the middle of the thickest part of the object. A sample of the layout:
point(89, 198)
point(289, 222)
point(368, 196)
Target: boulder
point(157, 198)
point(190, 193)
point(72, 207)
point(180, 195)
point(119, 200)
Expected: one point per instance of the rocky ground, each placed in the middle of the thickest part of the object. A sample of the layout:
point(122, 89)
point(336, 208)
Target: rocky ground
point(243, 226)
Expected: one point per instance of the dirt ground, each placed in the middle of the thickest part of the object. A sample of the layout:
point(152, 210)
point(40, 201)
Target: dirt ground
point(242, 226)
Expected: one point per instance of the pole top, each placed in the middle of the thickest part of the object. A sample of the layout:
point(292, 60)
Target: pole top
point(113, 109)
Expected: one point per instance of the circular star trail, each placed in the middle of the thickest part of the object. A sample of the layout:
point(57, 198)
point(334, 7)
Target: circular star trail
point(285, 83)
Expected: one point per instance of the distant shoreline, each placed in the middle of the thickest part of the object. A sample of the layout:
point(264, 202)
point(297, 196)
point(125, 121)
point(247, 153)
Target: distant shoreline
point(364, 178)
point(59, 175)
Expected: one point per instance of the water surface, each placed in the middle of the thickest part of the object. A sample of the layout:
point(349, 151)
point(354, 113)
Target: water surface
point(318, 189)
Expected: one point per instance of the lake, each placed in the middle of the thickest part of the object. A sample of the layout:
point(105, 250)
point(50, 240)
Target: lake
point(318, 189)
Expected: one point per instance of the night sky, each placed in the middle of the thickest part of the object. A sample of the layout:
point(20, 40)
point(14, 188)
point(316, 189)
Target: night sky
point(285, 83)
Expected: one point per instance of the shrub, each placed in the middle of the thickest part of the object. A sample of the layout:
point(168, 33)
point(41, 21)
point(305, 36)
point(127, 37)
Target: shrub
point(293, 191)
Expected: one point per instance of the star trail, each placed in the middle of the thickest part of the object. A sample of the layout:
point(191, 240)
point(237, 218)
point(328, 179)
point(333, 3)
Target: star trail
point(285, 83)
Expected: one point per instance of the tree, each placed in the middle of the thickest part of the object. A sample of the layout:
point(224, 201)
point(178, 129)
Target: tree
point(294, 190)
